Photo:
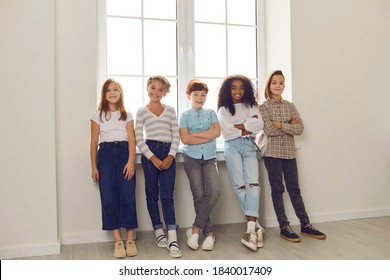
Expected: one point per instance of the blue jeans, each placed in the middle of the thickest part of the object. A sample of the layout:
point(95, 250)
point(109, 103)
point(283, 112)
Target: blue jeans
point(117, 194)
point(159, 183)
point(243, 169)
point(276, 168)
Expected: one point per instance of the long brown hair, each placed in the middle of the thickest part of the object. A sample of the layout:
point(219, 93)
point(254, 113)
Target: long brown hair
point(103, 106)
point(267, 90)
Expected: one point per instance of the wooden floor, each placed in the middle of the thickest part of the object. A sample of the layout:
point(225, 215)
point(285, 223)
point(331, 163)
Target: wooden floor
point(363, 239)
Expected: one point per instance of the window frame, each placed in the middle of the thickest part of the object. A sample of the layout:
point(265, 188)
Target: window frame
point(185, 49)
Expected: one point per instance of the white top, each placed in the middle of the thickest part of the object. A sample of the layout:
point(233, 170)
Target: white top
point(244, 115)
point(113, 129)
point(163, 128)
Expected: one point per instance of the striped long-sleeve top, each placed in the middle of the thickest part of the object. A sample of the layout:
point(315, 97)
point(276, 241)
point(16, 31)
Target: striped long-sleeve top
point(275, 142)
point(163, 128)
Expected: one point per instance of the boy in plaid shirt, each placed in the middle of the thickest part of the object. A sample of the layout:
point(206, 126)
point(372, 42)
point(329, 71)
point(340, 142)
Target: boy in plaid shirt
point(281, 123)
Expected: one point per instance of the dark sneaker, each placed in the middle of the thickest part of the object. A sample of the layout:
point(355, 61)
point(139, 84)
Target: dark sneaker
point(288, 234)
point(311, 231)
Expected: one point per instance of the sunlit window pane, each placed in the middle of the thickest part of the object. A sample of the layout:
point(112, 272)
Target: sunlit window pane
point(210, 50)
point(165, 9)
point(160, 48)
point(241, 12)
point(210, 10)
point(171, 97)
point(212, 95)
point(132, 91)
point(124, 8)
point(242, 51)
point(124, 48)
point(143, 40)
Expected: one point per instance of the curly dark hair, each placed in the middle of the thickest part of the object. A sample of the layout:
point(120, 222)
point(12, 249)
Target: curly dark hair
point(224, 95)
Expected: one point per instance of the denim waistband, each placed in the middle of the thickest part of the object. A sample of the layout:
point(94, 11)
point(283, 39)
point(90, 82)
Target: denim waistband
point(239, 138)
point(113, 143)
point(157, 143)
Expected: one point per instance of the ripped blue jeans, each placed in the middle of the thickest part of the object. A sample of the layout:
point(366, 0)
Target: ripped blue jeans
point(159, 184)
point(243, 169)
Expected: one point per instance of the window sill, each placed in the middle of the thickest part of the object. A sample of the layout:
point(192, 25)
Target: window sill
point(179, 155)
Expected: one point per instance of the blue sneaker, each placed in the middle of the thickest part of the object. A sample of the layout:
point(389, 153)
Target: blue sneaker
point(288, 234)
point(311, 231)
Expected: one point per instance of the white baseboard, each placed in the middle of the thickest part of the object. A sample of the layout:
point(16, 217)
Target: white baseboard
point(89, 237)
point(333, 217)
point(30, 251)
point(86, 237)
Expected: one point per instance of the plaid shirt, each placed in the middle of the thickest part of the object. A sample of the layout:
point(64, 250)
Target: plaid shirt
point(275, 142)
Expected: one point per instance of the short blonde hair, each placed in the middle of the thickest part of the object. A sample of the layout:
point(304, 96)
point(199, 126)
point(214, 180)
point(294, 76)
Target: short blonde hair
point(161, 79)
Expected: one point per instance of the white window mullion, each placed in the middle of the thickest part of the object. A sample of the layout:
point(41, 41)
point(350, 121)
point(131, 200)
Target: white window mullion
point(186, 47)
point(182, 48)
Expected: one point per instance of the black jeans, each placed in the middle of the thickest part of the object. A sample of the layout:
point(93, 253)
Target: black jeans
point(276, 167)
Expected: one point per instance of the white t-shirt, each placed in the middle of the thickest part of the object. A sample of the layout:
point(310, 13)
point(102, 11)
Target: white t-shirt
point(113, 129)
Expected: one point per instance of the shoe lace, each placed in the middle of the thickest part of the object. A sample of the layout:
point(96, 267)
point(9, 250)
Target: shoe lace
point(311, 227)
point(289, 230)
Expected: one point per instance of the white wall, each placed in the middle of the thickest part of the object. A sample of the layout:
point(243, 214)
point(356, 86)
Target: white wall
point(278, 41)
point(339, 61)
point(340, 68)
point(28, 203)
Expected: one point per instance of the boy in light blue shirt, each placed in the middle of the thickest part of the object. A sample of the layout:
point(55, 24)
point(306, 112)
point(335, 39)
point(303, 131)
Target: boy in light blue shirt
point(199, 129)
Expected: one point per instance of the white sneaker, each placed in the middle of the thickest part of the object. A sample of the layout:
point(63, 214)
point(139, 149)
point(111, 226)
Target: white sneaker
point(192, 239)
point(260, 241)
point(208, 243)
point(250, 240)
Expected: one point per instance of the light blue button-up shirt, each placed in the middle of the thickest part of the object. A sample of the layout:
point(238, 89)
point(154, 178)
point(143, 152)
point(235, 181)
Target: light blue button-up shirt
point(196, 121)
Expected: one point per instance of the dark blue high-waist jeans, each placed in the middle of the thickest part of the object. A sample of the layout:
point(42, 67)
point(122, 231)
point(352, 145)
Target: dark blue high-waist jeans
point(159, 183)
point(277, 168)
point(117, 194)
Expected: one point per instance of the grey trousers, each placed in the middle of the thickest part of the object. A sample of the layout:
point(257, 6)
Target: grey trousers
point(203, 177)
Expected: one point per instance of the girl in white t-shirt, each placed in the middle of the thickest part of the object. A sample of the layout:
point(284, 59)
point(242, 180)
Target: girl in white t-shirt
point(112, 128)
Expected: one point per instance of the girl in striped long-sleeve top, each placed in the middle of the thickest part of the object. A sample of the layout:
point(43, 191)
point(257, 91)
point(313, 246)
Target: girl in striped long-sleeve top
point(159, 145)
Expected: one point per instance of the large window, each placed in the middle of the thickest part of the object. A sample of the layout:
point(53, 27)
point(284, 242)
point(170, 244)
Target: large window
point(179, 39)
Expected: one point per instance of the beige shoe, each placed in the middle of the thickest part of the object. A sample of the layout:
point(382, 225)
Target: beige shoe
point(120, 251)
point(131, 248)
